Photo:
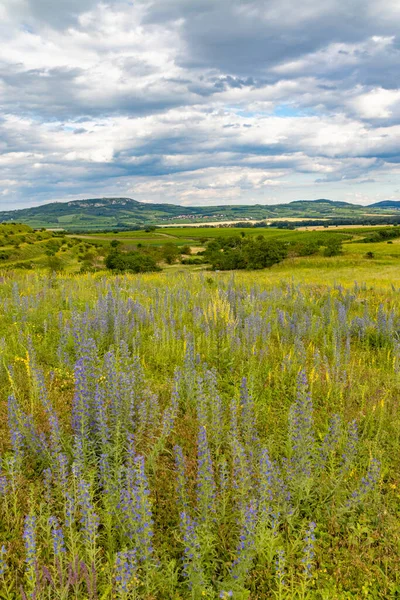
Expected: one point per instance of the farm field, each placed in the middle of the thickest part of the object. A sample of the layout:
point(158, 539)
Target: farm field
point(187, 435)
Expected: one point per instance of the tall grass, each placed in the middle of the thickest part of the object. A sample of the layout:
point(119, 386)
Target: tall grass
point(196, 436)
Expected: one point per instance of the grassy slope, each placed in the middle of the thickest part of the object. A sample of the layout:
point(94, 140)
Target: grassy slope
point(32, 251)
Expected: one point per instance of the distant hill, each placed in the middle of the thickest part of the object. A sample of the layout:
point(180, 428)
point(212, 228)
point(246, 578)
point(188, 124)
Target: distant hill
point(386, 204)
point(321, 201)
point(94, 214)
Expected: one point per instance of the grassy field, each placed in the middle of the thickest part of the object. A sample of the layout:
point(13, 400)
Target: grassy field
point(195, 236)
point(21, 247)
point(188, 435)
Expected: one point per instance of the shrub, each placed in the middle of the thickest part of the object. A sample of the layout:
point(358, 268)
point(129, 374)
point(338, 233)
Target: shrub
point(244, 253)
point(170, 253)
point(194, 260)
point(134, 262)
point(333, 248)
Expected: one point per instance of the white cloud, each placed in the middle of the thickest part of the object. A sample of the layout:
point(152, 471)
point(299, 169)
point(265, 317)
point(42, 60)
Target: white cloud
point(154, 98)
point(377, 103)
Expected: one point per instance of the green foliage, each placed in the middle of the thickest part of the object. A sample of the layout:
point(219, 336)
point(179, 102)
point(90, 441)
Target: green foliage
point(101, 214)
point(306, 248)
point(54, 263)
point(193, 260)
point(244, 253)
point(333, 248)
point(134, 262)
point(382, 235)
point(170, 253)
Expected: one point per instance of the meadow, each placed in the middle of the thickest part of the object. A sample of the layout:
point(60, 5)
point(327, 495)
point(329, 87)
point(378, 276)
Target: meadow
point(24, 248)
point(187, 435)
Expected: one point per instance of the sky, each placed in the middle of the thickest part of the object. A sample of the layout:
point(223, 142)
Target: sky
point(199, 102)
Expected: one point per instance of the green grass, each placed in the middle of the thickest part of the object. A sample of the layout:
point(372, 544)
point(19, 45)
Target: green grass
point(192, 236)
point(163, 356)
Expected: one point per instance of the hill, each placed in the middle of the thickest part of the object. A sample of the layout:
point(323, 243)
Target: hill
point(96, 214)
point(386, 204)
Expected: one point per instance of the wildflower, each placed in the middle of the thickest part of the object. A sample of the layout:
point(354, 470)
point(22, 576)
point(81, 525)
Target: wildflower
point(81, 404)
point(280, 563)
point(144, 518)
point(205, 479)
point(57, 536)
point(89, 518)
point(266, 484)
point(69, 509)
point(101, 417)
point(367, 485)
point(351, 448)
point(301, 429)
point(246, 546)
point(192, 565)
point(215, 407)
point(29, 536)
point(135, 507)
point(3, 485)
point(3, 563)
point(201, 402)
point(241, 481)
point(332, 438)
point(125, 570)
point(308, 551)
point(61, 470)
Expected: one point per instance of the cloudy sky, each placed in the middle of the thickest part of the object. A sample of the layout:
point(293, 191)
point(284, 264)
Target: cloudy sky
point(199, 102)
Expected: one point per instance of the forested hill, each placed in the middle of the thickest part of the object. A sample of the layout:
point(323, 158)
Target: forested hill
point(110, 213)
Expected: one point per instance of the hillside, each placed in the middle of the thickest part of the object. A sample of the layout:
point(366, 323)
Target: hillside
point(23, 248)
point(127, 213)
point(386, 204)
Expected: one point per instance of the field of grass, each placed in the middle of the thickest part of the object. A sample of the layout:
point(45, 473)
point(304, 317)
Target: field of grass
point(189, 435)
point(195, 236)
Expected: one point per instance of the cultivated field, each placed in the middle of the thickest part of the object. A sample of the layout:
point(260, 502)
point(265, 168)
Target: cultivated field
point(193, 435)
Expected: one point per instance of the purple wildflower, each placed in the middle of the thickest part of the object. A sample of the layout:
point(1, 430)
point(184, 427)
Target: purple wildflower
point(246, 547)
point(308, 551)
point(125, 570)
point(205, 479)
point(57, 537)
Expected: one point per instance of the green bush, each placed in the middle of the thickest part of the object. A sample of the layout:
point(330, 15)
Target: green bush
point(244, 253)
point(333, 248)
point(194, 260)
point(134, 262)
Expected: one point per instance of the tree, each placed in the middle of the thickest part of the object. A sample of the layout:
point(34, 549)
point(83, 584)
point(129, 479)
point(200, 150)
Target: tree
point(134, 262)
point(170, 253)
point(54, 263)
point(333, 248)
point(244, 253)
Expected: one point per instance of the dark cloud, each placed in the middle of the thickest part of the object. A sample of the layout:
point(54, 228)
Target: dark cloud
point(242, 37)
point(60, 13)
